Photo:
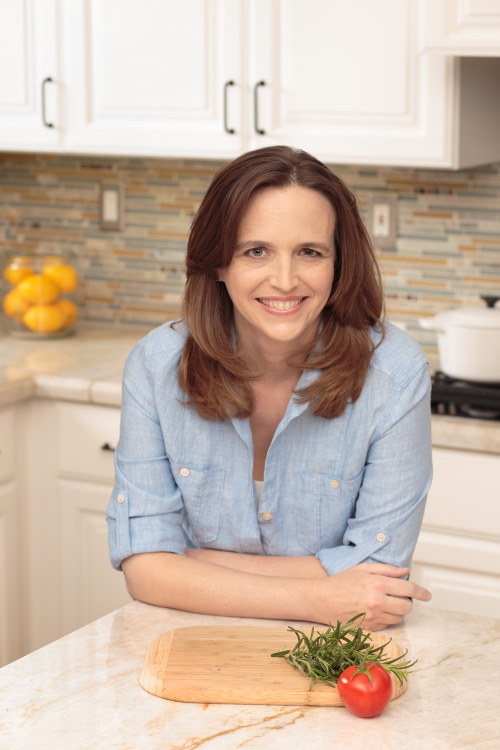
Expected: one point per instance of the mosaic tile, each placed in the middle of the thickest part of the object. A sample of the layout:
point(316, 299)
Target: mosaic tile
point(447, 250)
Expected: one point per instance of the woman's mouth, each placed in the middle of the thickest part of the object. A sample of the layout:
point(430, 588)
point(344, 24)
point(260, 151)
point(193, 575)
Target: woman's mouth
point(281, 305)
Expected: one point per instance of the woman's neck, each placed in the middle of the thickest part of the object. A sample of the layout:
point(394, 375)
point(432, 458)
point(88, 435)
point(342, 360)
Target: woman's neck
point(270, 359)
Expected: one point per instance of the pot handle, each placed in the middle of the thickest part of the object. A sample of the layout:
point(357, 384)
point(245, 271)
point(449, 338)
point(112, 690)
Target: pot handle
point(430, 325)
point(489, 299)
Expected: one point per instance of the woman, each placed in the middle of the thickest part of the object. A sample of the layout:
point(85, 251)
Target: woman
point(274, 453)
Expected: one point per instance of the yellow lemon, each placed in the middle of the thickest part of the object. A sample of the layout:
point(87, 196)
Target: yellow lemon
point(14, 305)
point(44, 318)
point(16, 272)
point(63, 275)
point(38, 290)
point(69, 312)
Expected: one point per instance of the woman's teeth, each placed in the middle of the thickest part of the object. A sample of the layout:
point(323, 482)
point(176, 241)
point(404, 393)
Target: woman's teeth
point(276, 304)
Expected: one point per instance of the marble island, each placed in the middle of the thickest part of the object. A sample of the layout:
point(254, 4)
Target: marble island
point(88, 366)
point(83, 691)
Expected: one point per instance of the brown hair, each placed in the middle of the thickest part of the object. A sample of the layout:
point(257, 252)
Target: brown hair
point(212, 373)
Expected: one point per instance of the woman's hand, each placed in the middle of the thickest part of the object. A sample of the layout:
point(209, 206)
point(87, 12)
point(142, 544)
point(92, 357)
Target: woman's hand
point(375, 588)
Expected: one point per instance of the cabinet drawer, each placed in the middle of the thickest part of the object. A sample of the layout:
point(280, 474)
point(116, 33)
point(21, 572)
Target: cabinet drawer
point(464, 493)
point(87, 435)
point(6, 444)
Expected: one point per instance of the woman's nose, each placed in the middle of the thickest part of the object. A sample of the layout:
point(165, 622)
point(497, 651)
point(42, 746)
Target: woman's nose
point(284, 274)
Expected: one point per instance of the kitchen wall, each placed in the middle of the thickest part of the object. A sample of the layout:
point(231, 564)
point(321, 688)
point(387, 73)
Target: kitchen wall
point(447, 250)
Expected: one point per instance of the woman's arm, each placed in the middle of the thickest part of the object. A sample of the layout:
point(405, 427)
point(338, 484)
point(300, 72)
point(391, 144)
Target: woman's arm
point(186, 583)
point(265, 565)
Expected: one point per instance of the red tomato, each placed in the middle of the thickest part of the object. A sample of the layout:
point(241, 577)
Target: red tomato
point(360, 696)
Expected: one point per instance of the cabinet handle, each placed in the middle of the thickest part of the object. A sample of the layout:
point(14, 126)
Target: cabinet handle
point(107, 447)
point(226, 86)
point(44, 118)
point(256, 108)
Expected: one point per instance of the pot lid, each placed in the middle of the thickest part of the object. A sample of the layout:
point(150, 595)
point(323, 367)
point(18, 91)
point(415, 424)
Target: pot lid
point(471, 317)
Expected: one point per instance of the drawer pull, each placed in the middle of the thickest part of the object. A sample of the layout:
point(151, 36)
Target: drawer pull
point(108, 447)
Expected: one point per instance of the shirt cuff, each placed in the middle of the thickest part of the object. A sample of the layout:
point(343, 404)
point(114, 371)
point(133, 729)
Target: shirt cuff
point(336, 559)
point(129, 534)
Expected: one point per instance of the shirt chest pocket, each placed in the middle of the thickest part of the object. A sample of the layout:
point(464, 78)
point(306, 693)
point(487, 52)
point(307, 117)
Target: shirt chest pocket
point(327, 504)
point(202, 496)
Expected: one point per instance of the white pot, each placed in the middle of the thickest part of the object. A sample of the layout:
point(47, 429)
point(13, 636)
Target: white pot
point(469, 341)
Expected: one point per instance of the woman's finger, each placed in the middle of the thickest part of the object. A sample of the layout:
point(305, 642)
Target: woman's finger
point(409, 589)
point(384, 569)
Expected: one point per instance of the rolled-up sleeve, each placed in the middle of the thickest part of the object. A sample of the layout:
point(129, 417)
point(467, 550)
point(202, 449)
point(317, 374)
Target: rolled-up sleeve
point(145, 512)
point(396, 479)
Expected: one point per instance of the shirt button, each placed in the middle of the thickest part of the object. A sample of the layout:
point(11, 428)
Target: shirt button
point(184, 472)
point(267, 516)
point(380, 537)
point(121, 498)
point(334, 483)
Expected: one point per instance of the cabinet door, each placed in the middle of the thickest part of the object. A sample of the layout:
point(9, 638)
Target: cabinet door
point(345, 81)
point(460, 591)
point(91, 588)
point(28, 56)
point(461, 570)
point(9, 576)
point(456, 27)
point(457, 556)
point(464, 494)
point(150, 78)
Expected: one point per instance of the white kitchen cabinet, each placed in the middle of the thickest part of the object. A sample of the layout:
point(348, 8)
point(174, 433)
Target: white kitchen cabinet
point(458, 552)
point(345, 81)
point(10, 643)
point(462, 27)
point(150, 78)
point(67, 578)
point(30, 84)
point(90, 587)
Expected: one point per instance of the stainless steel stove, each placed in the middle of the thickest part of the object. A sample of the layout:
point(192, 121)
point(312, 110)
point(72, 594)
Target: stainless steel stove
point(462, 399)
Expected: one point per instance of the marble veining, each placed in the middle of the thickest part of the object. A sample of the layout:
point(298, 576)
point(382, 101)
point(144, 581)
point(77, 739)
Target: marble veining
point(83, 691)
point(88, 367)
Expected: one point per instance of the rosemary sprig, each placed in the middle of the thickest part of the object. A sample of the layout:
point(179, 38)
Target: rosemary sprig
point(324, 657)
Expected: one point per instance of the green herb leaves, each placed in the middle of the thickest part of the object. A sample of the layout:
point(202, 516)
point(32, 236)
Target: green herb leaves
point(324, 657)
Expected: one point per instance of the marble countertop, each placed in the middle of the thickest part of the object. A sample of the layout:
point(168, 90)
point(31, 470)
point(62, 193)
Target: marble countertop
point(83, 691)
point(88, 367)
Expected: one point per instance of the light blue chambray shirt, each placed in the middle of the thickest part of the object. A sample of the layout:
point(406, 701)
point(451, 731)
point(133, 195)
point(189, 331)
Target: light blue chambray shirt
point(348, 490)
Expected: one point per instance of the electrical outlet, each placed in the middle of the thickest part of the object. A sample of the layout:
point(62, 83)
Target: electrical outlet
point(382, 219)
point(111, 207)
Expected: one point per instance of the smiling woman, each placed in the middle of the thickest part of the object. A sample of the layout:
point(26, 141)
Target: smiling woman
point(280, 285)
point(274, 454)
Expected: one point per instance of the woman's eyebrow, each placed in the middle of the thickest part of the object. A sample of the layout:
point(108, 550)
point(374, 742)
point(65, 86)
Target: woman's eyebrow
point(250, 243)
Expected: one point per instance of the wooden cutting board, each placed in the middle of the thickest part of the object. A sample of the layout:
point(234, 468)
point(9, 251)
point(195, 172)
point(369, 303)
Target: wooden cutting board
point(232, 664)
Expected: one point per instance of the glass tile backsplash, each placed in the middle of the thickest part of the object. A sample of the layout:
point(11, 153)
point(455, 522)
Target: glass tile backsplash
point(447, 249)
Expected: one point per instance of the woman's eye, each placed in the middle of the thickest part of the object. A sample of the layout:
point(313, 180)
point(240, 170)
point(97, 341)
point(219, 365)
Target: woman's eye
point(256, 252)
point(310, 252)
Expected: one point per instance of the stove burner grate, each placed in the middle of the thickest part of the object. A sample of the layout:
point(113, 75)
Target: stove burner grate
point(461, 398)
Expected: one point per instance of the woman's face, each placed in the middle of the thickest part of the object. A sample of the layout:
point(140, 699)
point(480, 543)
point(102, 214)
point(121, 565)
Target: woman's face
point(281, 273)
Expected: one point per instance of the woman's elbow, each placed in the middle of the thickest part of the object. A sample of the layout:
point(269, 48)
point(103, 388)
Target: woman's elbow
point(146, 575)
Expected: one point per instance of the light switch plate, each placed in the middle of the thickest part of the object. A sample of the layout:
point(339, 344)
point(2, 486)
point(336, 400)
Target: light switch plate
point(383, 219)
point(112, 207)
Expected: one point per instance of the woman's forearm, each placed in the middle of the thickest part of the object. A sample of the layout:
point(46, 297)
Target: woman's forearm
point(290, 567)
point(182, 582)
